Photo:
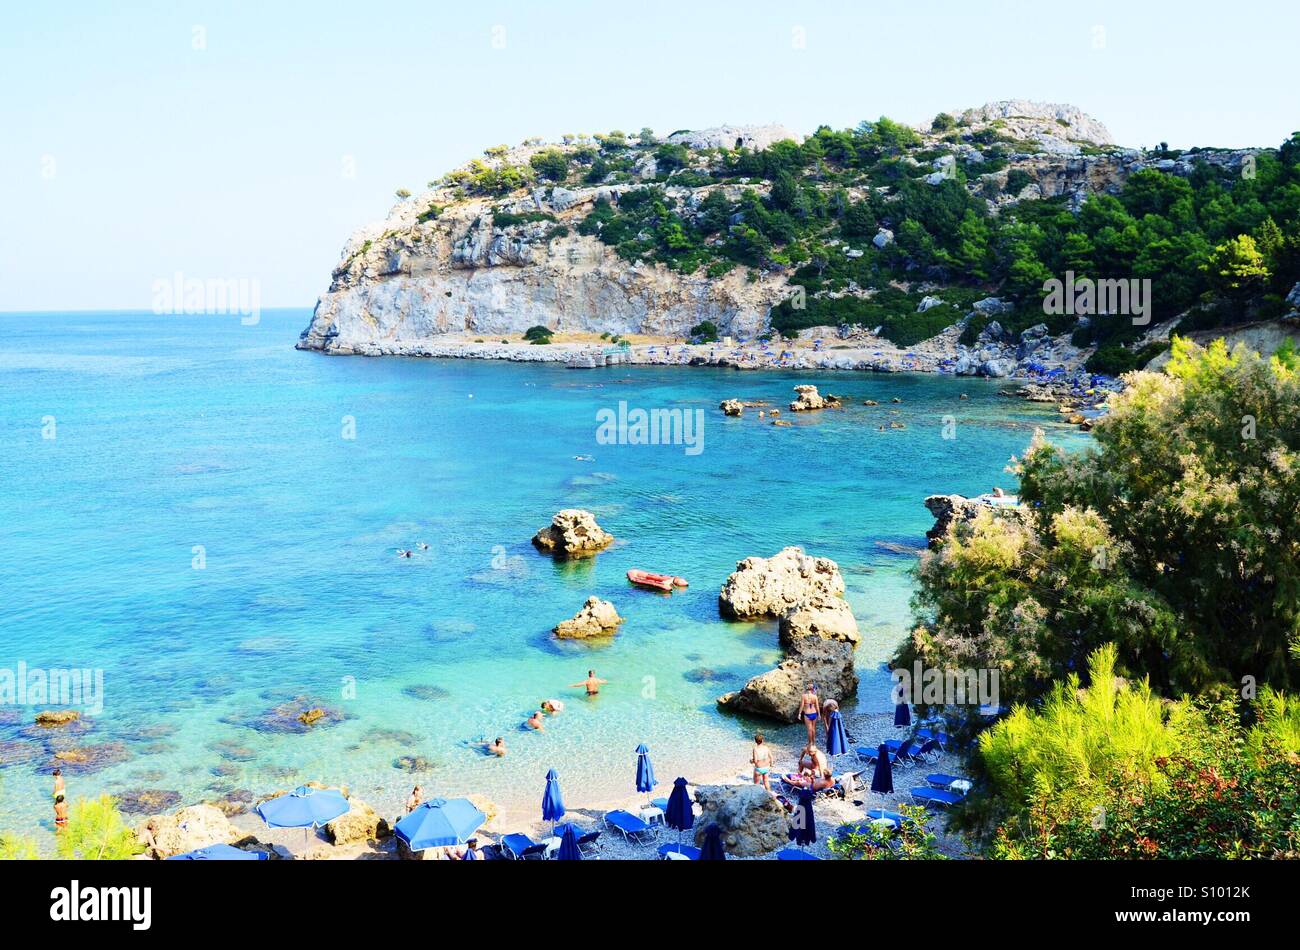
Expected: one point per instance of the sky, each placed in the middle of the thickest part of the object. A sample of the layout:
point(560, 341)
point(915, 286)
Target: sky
point(247, 140)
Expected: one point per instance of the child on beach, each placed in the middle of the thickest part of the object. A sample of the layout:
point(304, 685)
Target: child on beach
point(60, 813)
point(761, 757)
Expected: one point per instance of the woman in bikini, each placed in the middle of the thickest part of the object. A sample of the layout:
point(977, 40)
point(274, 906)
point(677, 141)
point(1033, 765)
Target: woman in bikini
point(761, 757)
point(808, 708)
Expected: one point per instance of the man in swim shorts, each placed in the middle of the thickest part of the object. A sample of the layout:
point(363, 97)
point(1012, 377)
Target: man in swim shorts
point(592, 683)
point(809, 705)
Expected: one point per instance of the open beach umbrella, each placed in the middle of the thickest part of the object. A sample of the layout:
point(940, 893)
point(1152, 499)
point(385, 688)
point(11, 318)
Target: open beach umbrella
point(219, 852)
point(552, 800)
point(568, 846)
point(304, 808)
point(902, 715)
point(837, 743)
point(439, 823)
point(803, 824)
point(712, 850)
point(645, 772)
point(882, 779)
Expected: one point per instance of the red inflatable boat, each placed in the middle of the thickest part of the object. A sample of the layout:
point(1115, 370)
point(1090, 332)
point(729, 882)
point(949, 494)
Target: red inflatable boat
point(657, 581)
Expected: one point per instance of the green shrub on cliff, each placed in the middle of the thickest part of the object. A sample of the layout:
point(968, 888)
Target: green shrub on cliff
point(96, 832)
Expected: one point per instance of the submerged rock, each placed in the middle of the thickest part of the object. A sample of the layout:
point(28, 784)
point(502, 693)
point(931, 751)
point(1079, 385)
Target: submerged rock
point(143, 801)
point(573, 532)
point(51, 718)
point(596, 618)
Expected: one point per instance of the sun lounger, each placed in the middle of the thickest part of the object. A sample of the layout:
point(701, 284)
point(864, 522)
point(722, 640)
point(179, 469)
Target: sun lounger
point(900, 754)
point(794, 854)
point(685, 850)
point(942, 780)
point(930, 796)
point(520, 847)
point(631, 827)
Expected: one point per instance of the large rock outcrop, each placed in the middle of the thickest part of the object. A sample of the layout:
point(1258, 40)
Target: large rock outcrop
point(817, 630)
point(752, 822)
point(190, 828)
point(807, 399)
point(573, 532)
point(948, 509)
point(596, 618)
point(358, 825)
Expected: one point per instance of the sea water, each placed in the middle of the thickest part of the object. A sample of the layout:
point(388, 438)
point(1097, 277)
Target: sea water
point(210, 518)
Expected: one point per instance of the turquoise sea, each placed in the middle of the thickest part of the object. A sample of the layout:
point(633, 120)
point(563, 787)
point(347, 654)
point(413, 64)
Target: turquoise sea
point(200, 529)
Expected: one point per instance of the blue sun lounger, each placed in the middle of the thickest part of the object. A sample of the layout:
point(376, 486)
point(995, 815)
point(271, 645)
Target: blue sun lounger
point(628, 825)
point(794, 854)
point(931, 796)
point(900, 753)
point(942, 780)
point(688, 852)
point(520, 847)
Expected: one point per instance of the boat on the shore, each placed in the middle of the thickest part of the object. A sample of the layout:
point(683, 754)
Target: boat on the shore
point(665, 582)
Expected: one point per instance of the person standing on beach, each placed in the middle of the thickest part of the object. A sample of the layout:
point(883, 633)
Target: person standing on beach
point(592, 683)
point(809, 706)
point(60, 813)
point(828, 707)
point(761, 757)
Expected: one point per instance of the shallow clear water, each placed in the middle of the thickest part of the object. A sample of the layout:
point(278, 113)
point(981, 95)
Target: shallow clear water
point(177, 432)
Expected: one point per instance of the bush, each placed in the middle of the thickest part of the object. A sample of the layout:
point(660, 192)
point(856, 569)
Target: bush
point(864, 841)
point(551, 164)
point(538, 334)
point(96, 832)
point(705, 332)
point(1017, 181)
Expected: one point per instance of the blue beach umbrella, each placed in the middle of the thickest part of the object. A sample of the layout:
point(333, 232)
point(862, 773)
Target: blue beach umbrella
point(679, 813)
point(645, 772)
point(552, 800)
point(568, 846)
point(712, 850)
point(219, 852)
point(803, 824)
point(304, 808)
point(440, 823)
point(902, 715)
point(837, 743)
point(882, 779)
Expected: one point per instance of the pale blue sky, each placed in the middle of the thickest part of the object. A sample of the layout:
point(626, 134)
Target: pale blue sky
point(126, 154)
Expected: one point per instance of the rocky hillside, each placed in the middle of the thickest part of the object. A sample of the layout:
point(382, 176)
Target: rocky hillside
point(882, 230)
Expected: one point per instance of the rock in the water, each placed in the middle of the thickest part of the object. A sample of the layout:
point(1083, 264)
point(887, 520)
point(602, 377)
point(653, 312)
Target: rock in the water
point(817, 630)
point(752, 822)
point(807, 399)
point(56, 717)
point(573, 533)
point(196, 826)
point(596, 618)
point(359, 824)
point(732, 407)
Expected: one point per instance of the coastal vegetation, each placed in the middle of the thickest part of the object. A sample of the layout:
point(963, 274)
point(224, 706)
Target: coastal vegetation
point(1143, 611)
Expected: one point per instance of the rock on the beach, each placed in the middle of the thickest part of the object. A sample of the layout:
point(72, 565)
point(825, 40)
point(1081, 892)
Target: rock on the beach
point(188, 829)
point(573, 532)
point(732, 407)
point(359, 824)
point(596, 618)
point(775, 694)
point(752, 822)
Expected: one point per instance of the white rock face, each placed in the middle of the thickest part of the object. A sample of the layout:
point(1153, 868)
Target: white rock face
point(755, 137)
point(1049, 122)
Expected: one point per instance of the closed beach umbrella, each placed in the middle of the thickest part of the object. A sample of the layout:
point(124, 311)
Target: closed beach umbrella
point(645, 772)
point(712, 850)
point(304, 808)
point(219, 852)
point(803, 824)
point(568, 846)
point(882, 779)
point(552, 800)
point(440, 823)
point(679, 813)
point(837, 743)
point(902, 715)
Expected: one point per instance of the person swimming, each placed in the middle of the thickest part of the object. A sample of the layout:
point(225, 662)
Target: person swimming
point(403, 552)
point(496, 747)
point(422, 545)
point(552, 707)
point(808, 708)
point(535, 722)
point(592, 683)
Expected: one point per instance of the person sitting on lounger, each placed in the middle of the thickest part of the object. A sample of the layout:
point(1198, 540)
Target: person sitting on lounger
point(815, 768)
point(535, 722)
